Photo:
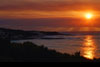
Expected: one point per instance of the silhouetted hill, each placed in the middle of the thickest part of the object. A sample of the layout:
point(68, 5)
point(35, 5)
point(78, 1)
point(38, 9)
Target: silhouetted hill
point(20, 34)
point(30, 52)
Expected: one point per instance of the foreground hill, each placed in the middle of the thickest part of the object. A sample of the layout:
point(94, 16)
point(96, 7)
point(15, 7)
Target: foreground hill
point(29, 52)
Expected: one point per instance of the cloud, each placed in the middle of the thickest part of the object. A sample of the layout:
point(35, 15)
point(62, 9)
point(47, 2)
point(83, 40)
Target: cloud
point(52, 15)
point(50, 24)
point(47, 5)
point(46, 8)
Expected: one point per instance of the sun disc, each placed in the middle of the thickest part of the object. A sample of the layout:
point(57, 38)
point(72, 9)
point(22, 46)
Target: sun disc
point(88, 15)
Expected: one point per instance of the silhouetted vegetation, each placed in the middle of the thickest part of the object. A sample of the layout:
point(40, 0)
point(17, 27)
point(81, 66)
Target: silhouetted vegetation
point(29, 52)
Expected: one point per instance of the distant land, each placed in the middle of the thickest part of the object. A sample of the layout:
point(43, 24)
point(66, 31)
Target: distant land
point(21, 34)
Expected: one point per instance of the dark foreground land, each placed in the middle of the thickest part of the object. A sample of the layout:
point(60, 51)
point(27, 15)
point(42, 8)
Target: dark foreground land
point(29, 52)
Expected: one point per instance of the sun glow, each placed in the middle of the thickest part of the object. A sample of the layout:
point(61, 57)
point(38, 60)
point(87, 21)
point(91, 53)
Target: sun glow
point(88, 15)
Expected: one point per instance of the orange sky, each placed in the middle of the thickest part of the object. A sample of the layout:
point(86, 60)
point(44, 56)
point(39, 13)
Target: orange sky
point(47, 8)
point(71, 10)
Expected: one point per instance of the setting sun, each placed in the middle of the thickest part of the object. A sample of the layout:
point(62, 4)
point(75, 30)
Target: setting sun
point(88, 15)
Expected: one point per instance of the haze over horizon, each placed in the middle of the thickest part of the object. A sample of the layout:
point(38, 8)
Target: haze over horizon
point(50, 15)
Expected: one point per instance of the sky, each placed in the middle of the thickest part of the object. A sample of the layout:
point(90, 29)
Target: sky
point(50, 15)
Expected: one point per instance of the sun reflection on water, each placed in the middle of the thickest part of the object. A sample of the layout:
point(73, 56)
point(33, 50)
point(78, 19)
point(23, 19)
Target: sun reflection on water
point(89, 47)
